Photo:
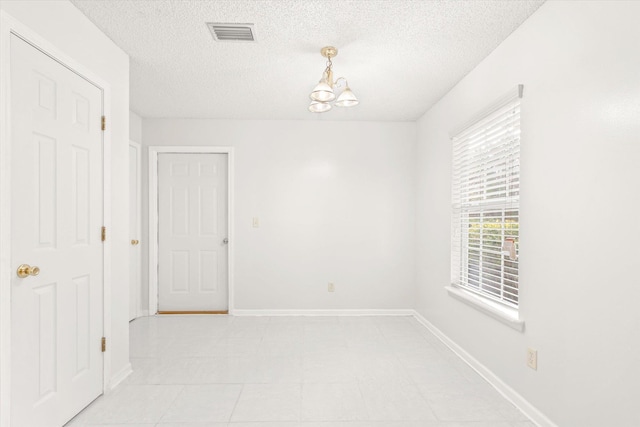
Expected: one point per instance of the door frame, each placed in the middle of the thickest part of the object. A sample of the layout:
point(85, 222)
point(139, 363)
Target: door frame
point(8, 26)
point(153, 214)
point(138, 146)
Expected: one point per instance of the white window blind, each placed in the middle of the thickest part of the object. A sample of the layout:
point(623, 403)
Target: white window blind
point(485, 204)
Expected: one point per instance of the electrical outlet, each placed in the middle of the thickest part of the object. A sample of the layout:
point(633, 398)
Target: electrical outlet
point(532, 359)
point(331, 288)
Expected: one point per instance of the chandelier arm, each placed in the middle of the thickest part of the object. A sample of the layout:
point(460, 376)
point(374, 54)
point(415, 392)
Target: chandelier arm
point(346, 83)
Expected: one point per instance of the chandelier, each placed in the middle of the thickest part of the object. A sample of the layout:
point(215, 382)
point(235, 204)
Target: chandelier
point(323, 94)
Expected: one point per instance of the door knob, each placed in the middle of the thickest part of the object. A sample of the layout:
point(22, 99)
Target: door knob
point(225, 240)
point(135, 242)
point(25, 270)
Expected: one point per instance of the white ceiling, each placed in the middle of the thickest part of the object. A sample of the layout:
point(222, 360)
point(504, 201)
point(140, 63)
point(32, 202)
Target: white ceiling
point(400, 56)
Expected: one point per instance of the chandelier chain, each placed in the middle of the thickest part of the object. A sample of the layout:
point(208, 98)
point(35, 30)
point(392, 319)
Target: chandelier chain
point(329, 63)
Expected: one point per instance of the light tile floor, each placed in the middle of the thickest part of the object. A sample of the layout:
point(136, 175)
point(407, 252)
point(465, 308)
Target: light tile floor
point(224, 371)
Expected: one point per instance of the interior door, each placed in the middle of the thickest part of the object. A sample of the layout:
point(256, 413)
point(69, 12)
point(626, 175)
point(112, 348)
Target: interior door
point(56, 249)
point(134, 230)
point(192, 232)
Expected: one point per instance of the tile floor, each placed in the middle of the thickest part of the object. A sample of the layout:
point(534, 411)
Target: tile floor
point(223, 371)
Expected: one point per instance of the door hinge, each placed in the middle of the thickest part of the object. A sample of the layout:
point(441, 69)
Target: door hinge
point(104, 234)
point(104, 122)
point(104, 344)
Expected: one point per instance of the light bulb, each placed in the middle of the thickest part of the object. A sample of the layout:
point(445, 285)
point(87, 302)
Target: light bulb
point(319, 107)
point(322, 92)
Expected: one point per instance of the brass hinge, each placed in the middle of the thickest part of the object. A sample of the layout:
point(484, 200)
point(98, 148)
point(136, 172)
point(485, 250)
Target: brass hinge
point(104, 122)
point(104, 233)
point(104, 344)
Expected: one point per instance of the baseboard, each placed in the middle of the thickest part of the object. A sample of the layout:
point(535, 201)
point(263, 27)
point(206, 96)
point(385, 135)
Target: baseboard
point(178, 312)
point(510, 394)
point(338, 312)
point(120, 376)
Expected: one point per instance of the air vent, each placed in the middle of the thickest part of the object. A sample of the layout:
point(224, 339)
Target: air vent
point(232, 32)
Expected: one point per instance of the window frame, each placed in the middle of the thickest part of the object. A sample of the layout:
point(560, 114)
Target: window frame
point(484, 205)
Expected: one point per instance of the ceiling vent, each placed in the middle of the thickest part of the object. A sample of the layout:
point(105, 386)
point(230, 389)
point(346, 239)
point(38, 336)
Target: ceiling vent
point(232, 32)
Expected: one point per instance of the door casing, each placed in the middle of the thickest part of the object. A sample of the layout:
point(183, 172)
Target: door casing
point(9, 25)
point(153, 214)
point(138, 208)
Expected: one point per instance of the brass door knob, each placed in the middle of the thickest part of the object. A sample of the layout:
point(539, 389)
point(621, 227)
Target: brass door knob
point(25, 270)
point(135, 242)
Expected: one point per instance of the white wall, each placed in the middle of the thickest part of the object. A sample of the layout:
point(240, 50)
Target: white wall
point(335, 202)
point(580, 228)
point(135, 127)
point(65, 27)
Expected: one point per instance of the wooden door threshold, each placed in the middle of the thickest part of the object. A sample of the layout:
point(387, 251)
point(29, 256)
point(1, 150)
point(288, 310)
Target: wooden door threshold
point(195, 312)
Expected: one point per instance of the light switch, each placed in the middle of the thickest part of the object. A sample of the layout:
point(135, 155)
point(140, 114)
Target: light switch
point(256, 222)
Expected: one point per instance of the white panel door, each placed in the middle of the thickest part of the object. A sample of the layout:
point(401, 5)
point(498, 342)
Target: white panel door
point(192, 232)
point(56, 220)
point(134, 230)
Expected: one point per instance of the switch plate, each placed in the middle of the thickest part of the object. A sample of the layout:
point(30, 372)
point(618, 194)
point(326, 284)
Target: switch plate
point(331, 287)
point(532, 359)
point(256, 222)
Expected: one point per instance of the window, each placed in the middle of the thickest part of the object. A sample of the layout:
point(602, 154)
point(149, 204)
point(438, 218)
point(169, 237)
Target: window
point(485, 202)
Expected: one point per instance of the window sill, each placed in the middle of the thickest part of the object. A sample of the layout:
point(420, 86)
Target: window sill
point(506, 315)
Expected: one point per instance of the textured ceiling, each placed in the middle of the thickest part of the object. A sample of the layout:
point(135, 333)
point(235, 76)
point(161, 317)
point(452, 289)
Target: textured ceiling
point(399, 56)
